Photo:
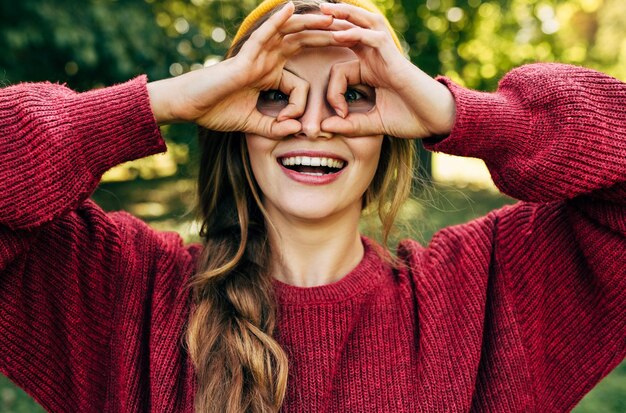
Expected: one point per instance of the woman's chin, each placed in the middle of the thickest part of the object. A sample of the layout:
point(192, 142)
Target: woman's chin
point(308, 213)
point(307, 210)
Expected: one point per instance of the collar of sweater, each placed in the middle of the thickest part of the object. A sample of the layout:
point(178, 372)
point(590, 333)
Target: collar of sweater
point(360, 280)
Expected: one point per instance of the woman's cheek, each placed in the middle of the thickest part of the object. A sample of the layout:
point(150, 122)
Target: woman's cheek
point(260, 155)
point(367, 151)
point(259, 147)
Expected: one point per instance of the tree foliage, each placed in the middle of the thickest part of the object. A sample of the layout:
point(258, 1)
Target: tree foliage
point(99, 42)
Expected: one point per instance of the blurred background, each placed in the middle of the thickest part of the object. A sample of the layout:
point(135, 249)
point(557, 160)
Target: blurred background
point(94, 43)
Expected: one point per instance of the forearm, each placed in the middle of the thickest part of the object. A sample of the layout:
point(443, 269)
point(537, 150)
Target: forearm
point(550, 132)
point(57, 143)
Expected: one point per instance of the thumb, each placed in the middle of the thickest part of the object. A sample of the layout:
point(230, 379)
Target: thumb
point(355, 124)
point(270, 127)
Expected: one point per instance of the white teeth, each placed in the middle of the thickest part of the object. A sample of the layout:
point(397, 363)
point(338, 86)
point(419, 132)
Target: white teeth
point(312, 161)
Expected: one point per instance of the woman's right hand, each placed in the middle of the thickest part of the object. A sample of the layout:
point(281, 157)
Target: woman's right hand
point(224, 96)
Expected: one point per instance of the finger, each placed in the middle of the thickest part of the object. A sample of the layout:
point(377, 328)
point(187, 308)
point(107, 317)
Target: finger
point(269, 29)
point(298, 22)
point(298, 90)
point(339, 24)
point(270, 127)
point(372, 38)
point(354, 14)
point(341, 76)
point(294, 43)
point(280, 130)
point(355, 124)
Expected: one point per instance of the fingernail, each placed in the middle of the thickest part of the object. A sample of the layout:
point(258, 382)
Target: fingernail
point(340, 113)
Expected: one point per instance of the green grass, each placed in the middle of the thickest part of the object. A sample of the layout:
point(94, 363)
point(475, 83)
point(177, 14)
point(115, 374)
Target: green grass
point(165, 205)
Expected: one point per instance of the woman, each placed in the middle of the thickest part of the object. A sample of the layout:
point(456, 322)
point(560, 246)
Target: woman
point(307, 123)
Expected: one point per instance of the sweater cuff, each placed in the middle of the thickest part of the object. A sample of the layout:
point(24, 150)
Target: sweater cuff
point(117, 123)
point(487, 125)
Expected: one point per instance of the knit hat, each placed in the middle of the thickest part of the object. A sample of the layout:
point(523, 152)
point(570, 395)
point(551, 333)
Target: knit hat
point(268, 5)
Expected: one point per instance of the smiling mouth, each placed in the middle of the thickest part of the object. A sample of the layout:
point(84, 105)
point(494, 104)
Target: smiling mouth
point(311, 165)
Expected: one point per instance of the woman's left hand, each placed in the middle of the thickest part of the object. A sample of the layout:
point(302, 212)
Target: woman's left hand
point(409, 103)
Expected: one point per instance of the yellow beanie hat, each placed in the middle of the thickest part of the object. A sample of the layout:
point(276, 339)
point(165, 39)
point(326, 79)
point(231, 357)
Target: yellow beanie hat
point(268, 5)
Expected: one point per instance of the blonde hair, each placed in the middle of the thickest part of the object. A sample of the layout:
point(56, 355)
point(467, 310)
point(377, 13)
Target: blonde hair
point(239, 365)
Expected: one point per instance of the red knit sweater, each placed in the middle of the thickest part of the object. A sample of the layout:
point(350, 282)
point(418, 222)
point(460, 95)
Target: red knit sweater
point(521, 310)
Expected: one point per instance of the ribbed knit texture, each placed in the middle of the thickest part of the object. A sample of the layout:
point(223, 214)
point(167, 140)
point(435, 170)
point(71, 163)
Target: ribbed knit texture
point(522, 310)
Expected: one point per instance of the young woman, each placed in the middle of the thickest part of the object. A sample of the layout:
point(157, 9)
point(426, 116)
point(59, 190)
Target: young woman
point(285, 306)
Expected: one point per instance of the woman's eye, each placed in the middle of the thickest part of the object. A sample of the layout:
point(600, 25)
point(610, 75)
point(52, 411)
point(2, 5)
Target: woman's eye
point(360, 101)
point(353, 95)
point(274, 96)
point(271, 102)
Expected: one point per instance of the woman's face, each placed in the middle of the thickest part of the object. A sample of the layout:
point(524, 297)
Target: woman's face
point(314, 174)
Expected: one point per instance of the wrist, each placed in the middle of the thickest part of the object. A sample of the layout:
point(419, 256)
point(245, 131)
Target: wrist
point(446, 106)
point(160, 101)
point(430, 100)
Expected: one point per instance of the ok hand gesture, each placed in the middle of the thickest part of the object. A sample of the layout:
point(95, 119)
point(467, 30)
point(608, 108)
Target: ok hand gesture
point(409, 103)
point(224, 96)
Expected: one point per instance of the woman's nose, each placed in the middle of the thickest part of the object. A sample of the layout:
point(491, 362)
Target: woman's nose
point(317, 109)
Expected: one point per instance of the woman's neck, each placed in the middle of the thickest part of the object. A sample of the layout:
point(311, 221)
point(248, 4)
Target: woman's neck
point(308, 254)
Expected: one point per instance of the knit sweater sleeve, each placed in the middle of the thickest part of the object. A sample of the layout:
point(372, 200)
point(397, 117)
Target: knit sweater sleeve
point(553, 136)
point(61, 256)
